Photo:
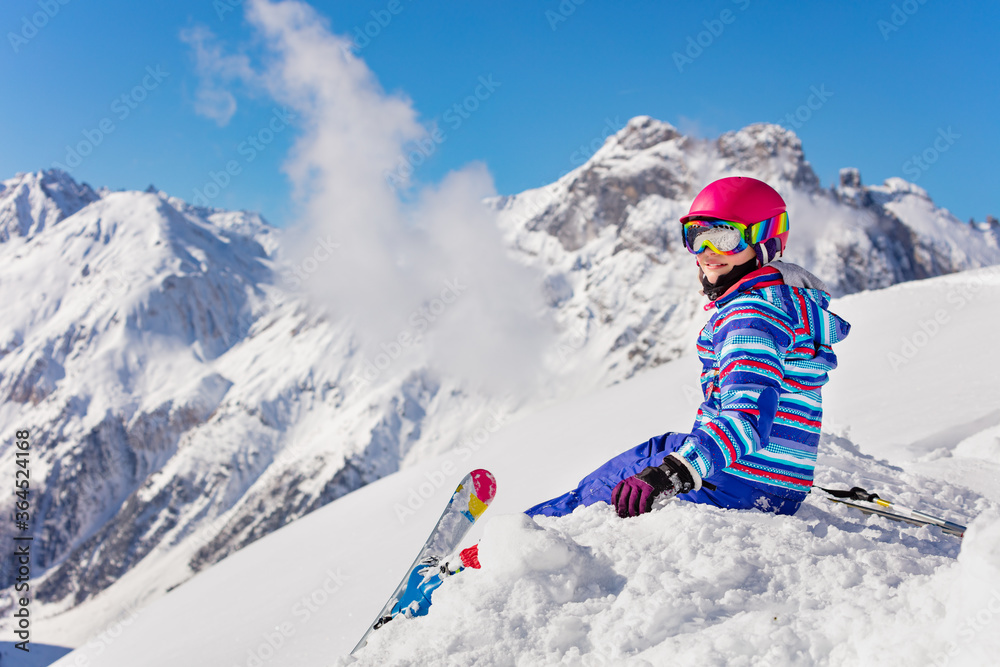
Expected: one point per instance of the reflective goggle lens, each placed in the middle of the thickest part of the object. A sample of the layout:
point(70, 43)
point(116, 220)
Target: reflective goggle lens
point(723, 238)
point(729, 238)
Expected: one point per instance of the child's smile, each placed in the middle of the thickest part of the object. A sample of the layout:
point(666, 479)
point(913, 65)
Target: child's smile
point(715, 265)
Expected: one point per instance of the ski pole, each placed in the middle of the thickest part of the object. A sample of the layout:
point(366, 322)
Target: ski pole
point(859, 494)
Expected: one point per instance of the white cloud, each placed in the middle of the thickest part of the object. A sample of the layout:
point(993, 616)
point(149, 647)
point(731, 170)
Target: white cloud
point(217, 104)
point(216, 70)
point(695, 128)
point(397, 254)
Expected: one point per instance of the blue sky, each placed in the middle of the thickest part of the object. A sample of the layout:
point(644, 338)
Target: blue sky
point(898, 80)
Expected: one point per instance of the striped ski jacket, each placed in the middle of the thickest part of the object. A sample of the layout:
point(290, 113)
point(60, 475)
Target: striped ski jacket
point(765, 353)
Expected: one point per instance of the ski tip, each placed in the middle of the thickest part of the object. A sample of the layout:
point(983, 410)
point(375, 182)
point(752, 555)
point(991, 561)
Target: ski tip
point(485, 485)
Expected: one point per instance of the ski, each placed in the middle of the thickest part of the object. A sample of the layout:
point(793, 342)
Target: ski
point(473, 495)
point(870, 503)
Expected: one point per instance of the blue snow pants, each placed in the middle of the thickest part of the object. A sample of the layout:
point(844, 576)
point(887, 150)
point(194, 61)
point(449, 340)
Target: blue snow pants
point(731, 492)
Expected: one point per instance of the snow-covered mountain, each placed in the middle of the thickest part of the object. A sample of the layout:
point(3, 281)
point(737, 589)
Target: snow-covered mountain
point(185, 401)
point(168, 379)
point(683, 584)
point(613, 256)
point(31, 202)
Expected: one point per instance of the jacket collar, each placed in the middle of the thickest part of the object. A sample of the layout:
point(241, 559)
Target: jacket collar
point(765, 276)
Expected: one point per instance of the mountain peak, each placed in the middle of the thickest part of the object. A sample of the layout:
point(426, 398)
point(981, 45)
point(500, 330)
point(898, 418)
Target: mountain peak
point(770, 152)
point(31, 201)
point(644, 132)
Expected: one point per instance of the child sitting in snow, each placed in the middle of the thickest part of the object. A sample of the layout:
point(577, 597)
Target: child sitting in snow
point(765, 354)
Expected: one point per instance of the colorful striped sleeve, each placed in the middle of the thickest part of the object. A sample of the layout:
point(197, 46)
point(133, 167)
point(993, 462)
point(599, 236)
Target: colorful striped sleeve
point(750, 341)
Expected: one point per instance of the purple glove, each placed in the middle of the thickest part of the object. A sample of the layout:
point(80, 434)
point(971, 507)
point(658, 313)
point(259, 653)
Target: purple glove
point(635, 495)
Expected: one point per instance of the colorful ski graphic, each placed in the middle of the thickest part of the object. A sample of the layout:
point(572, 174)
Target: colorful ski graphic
point(473, 495)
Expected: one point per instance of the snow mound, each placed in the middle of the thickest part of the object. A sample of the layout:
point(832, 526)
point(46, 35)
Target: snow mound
point(711, 586)
point(972, 601)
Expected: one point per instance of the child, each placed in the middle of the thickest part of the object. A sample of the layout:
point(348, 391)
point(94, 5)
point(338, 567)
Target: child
point(765, 355)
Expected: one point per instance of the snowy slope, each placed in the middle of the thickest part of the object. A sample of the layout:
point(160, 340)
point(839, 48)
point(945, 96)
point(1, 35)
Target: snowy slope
point(172, 384)
point(691, 583)
point(195, 402)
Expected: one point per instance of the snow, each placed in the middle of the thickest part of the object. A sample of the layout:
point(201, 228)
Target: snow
point(194, 401)
point(927, 345)
point(687, 584)
point(189, 401)
point(31, 202)
point(184, 400)
point(695, 583)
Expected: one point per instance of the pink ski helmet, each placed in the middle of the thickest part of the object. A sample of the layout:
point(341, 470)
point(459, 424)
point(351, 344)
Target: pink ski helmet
point(744, 200)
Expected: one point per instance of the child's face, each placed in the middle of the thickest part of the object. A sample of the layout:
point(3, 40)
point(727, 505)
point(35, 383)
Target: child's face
point(715, 265)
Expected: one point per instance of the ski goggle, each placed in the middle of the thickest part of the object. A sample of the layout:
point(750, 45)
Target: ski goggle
point(728, 238)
